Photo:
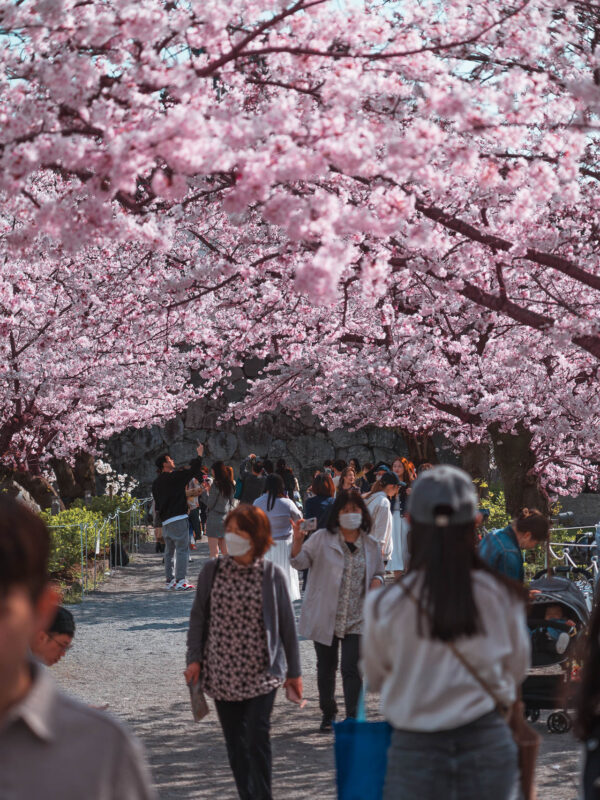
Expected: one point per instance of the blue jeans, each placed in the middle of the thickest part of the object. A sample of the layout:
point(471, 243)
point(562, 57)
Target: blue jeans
point(177, 540)
point(477, 761)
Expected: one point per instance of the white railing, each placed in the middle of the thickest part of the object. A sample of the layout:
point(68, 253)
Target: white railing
point(96, 538)
point(564, 551)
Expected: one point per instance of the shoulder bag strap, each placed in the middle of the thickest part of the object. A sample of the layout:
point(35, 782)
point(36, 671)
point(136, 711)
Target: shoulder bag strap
point(500, 706)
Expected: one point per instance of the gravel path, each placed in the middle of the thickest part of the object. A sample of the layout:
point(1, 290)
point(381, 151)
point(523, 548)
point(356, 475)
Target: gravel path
point(129, 652)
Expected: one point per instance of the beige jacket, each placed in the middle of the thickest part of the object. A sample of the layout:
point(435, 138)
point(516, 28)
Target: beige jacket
point(322, 554)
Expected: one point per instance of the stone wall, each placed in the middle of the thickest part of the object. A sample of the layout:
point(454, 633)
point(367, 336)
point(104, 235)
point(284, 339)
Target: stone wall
point(585, 507)
point(303, 443)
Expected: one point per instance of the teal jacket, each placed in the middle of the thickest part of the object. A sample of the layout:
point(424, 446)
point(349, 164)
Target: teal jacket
point(500, 550)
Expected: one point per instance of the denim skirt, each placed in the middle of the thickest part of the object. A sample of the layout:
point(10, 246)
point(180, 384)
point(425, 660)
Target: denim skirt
point(477, 761)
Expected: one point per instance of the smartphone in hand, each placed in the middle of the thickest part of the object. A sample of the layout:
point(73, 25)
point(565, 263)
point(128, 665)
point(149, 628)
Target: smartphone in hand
point(308, 525)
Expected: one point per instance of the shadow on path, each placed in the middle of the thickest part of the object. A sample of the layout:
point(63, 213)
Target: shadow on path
point(129, 651)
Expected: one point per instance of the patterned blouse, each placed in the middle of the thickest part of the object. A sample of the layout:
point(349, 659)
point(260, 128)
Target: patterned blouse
point(237, 660)
point(349, 615)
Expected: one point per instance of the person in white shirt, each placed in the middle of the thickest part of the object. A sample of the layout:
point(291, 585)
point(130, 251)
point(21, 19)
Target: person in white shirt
point(282, 512)
point(378, 503)
point(446, 646)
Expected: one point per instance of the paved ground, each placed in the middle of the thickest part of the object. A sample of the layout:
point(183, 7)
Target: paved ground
point(129, 652)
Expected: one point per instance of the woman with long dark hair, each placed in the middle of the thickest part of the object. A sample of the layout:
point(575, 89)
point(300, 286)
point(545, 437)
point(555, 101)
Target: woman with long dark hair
point(398, 563)
point(218, 499)
point(344, 562)
point(281, 512)
point(287, 475)
point(587, 723)
point(446, 645)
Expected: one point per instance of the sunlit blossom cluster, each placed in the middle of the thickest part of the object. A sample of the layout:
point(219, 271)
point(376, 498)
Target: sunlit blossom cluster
point(394, 205)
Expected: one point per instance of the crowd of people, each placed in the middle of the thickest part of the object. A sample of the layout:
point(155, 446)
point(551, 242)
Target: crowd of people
point(398, 593)
point(211, 493)
point(414, 534)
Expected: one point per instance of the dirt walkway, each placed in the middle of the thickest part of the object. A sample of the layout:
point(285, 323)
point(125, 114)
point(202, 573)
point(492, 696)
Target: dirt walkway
point(129, 652)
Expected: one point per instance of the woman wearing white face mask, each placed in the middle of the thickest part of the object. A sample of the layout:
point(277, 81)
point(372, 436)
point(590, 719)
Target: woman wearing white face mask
point(243, 645)
point(344, 563)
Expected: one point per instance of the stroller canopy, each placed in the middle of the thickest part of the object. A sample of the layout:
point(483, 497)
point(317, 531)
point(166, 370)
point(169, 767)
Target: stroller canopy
point(563, 591)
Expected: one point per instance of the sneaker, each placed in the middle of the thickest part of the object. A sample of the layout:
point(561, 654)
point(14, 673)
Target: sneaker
point(326, 725)
point(192, 545)
point(171, 584)
point(183, 586)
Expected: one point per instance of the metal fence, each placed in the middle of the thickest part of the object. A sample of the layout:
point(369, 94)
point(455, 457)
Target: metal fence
point(582, 553)
point(111, 535)
point(577, 559)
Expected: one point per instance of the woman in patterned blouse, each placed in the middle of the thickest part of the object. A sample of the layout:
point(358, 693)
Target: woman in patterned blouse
point(344, 562)
point(243, 645)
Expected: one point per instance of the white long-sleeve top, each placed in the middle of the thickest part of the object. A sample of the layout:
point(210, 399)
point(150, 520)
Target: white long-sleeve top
point(424, 687)
point(280, 516)
point(381, 517)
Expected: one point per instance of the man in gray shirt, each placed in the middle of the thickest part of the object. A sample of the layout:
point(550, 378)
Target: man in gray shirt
point(51, 746)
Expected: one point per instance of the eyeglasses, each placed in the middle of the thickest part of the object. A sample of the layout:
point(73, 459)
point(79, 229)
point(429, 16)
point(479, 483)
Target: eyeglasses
point(63, 647)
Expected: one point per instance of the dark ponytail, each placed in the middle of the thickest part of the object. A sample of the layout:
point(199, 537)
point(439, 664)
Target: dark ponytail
point(446, 558)
point(532, 521)
point(274, 488)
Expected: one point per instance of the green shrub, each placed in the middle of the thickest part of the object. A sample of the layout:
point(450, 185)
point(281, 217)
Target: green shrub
point(68, 527)
point(496, 503)
point(106, 505)
point(65, 529)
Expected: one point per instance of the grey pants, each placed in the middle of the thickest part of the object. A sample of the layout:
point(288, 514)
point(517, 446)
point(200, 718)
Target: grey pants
point(177, 538)
point(477, 761)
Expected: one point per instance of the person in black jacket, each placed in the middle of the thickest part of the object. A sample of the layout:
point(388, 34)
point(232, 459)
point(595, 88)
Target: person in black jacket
point(253, 482)
point(287, 475)
point(170, 499)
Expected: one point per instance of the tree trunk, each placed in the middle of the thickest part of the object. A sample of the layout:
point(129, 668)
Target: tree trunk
point(516, 461)
point(475, 459)
point(39, 488)
point(421, 449)
point(77, 479)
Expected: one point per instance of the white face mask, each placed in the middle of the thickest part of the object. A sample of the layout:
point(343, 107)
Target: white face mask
point(350, 521)
point(237, 545)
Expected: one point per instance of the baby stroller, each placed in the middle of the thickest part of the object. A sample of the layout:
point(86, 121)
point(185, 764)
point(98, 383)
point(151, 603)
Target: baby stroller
point(557, 620)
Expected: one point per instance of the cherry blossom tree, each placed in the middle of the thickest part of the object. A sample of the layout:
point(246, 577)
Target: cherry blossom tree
point(355, 364)
point(403, 197)
point(85, 350)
